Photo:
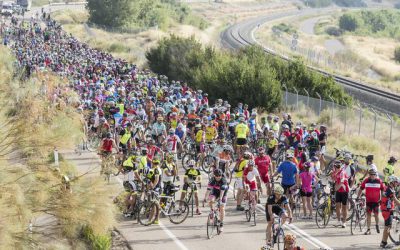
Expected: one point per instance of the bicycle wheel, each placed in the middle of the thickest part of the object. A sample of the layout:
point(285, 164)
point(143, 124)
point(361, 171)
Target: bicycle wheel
point(280, 239)
point(186, 158)
point(178, 211)
point(350, 212)
point(147, 213)
point(254, 217)
point(93, 143)
point(210, 227)
point(234, 190)
point(394, 233)
point(322, 215)
point(355, 221)
point(297, 206)
point(329, 167)
point(207, 163)
point(248, 215)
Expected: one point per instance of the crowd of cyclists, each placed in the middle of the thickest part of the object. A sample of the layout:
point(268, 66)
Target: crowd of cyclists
point(153, 130)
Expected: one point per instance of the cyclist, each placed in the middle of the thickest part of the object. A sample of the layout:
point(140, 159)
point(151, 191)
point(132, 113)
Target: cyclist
point(263, 163)
point(211, 132)
point(191, 175)
point(388, 203)
point(306, 179)
point(389, 169)
point(131, 180)
point(289, 173)
point(323, 137)
point(241, 132)
point(153, 179)
point(349, 168)
point(342, 190)
point(253, 126)
point(159, 130)
point(251, 178)
point(277, 204)
point(290, 243)
point(126, 135)
point(374, 188)
point(169, 173)
point(224, 159)
point(240, 165)
point(313, 143)
point(107, 145)
point(172, 143)
point(218, 189)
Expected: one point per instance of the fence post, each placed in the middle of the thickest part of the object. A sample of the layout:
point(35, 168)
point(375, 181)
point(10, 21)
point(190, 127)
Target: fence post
point(333, 107)
point(359, 122)
point(56, 162)
point(345, 116)
point(297, 98)
point(284, 86)
point(320, 103)
point(375, 113)
point(391, 130)
point(308, 97)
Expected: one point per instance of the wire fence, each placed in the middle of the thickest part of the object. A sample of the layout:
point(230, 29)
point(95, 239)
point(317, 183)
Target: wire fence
point(356, 120)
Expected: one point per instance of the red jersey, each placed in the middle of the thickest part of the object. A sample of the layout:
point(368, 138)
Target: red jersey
point(152, 151)
point(341, 177)
point(373, 189)
point(263, 164)
point(387, 203)
point(107, 145)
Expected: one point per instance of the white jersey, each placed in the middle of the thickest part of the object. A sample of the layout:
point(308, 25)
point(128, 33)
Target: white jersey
point(251, 175)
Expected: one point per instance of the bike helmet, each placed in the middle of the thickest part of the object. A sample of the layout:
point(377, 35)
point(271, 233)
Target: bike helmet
point(369, 158)
point(307, 164)
point(251, 163)
point(129, 124)
point(290, 239)
point(241, 119)
point(109, 135)
point(278, 189)
point(392, 179)
point(372, 171)
point(392, 160)
point(226, 148)
point(156, 161)
point(347, 156)
point(171, 131)
point(289, 154)
point(247, 154)
point(217, 172)
point(261, 150)
point(337, 163)
point(191, 163)
point(102, 120)
point(285, 126)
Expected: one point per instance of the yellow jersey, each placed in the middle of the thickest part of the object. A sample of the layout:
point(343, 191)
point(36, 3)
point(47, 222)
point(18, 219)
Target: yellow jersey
point(199, 136)
point(211, 132)
point(239, 171)
point(241, 131)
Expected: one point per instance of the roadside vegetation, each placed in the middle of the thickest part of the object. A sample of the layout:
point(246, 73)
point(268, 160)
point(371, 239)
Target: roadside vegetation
point(397, 54)
point(133, 14)
point(36, 207)
point(341, 3)
point(283, 27)
point(251, 75)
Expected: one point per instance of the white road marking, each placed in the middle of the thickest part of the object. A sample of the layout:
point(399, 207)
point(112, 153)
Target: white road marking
point(173, 237)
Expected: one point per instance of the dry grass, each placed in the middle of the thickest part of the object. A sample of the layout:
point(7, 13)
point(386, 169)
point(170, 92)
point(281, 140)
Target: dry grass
point(30, 188)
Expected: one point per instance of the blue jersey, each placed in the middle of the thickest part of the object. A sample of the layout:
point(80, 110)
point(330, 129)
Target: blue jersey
point(252, 126)
point(288, 170)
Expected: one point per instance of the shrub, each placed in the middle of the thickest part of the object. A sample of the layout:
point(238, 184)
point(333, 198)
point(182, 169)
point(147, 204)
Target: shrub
point(334, 31)
point(317, 3)
point(348, 22)
point(397, 54)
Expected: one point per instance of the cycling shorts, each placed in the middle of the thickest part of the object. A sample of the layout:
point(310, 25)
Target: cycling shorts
point(252, 185)
point(276, 210)
point(241, 141)
point(372, 207)
point(215, 195)
point(388, 216)
point(186, 186)
point(305, 194)
point(264, 178)
point(341, 197)
point(286, 188)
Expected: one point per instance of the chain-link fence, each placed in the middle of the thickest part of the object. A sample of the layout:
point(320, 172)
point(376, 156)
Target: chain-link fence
point(352, 121)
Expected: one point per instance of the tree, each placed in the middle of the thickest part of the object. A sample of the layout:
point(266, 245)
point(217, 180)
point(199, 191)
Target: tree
point(397, 54)
point(348, 22)
point(112, 13)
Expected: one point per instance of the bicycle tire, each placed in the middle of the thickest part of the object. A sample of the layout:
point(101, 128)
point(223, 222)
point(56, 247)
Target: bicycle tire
point(281, 239)
point(254, 218)
point(354, 223)
point(173, 212)
point(206, 163)
point(350, 211)
point(186, 158)
point(147, 210)
point(322, 215)
point(210, 227)
point(297, 206)
point(93, 144)
point(394, 233)
point(248, 215)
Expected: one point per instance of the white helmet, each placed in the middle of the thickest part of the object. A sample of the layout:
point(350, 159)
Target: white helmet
point(392, 178)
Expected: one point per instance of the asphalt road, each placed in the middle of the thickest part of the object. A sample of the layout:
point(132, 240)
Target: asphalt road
point(238, 233)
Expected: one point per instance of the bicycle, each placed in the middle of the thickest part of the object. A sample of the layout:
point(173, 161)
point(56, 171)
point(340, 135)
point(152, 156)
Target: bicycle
point(296, 205)
point(208, 161)
point(176, 210)
point(189, 198)
point(250, 209)
point(213, 221)
point(278, 234)
point(360, 217)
